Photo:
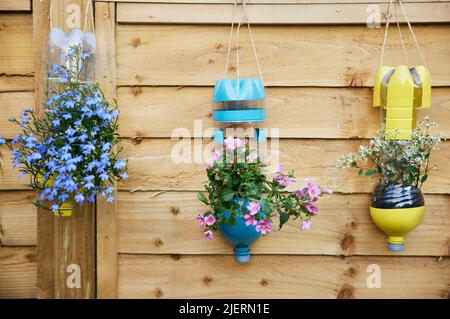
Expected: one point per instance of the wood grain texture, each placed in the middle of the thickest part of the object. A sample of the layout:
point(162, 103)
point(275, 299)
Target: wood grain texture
point(16, 83)
point(12, 104)
point(17, 218)
point(151, 166)
point(256, 2)
point(61, 241)
point(18, 272)
point(15, 5)
point(144, 276)
point(9, 177)
point(16, 44)
point(164, 223)
point(297, 112)
point(107, 257)
point(338, 13)
point(45, 251)
point(289, 55)
point(74, 243)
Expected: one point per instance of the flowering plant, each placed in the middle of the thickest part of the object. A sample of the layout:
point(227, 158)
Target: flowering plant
point(240, 187)
point(397, 161)
point(68, 153)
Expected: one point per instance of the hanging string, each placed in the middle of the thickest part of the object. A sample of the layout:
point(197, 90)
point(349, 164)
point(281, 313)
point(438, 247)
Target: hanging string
point(412, 33)
point(405, 56)
point(243, 19)
point(231, 37)
point(388, 20)
point(89, 7)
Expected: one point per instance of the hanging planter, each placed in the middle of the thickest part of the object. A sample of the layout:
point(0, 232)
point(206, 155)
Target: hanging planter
point(398, 205)
point(400, 91)
point(243, 200)
point(68, 154)
point(239, 100)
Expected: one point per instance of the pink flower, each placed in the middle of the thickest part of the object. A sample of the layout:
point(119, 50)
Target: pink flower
point(312, 208)
point(208, 234)
point(301, 193)
point(306, 225)
point(327, 190)
point(215, 154)
point(283, 180)
point(207, 165)
point(210, 220)
point(233, 143)
point(264, 226)
point(252, 157)
point(309, 181)
point(313, 190)
point(201, 220)
point(278, 170)
point(238, 142)
point(250, 220)
point(254, 207)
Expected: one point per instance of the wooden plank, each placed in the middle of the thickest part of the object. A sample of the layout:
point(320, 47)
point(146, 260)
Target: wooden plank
point(16, 44)
point(341, 113)
point(12, 104)
point(61, 241)
point(151, 166)
point(15, 5)
point(9, 177)
point(45, 250)
point(17, 218)
point(74, 244)
point(107, 258)
point(350, 13)
point(18, 272)
point(144, 276)
point(16, 83)
point(289, 56)
point(164, 223)
point(257, 2)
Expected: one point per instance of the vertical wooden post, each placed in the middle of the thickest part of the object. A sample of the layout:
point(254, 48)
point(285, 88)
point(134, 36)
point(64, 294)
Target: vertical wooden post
point(107, 264)
point(66, 245)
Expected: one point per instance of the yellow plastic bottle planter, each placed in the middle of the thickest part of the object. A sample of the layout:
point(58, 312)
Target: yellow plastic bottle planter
point(401, 91)
point(396, 223)
point(65, 210)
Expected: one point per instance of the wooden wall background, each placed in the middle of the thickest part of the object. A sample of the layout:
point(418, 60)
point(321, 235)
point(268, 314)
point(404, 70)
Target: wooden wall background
point(160, 60)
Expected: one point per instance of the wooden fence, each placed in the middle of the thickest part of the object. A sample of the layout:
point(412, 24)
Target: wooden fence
point(160, 59)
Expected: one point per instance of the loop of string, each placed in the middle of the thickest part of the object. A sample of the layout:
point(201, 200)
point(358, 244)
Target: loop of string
point(243, 19)
point(89, 7)
point(400, 3)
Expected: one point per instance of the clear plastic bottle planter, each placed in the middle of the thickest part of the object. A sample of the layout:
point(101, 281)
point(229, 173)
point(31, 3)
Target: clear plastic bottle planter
point(60, 43)
point(239, 101)
point(240, 236)
point(397, 210)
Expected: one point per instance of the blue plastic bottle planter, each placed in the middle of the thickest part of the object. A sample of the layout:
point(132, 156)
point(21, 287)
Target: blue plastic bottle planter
point(241, 236)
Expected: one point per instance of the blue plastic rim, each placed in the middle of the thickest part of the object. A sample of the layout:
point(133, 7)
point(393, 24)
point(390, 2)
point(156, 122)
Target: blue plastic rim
point(239, 116)
point(249, 89)
point(395, 247)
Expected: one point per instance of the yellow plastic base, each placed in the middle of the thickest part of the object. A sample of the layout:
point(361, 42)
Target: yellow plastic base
point(65, 210)
point(397, 222)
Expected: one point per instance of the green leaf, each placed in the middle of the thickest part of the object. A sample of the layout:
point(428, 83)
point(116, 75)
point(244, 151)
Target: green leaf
point(201, 197)
point(284, 218)
point(424, 178)
point(228, 196)
point(371, 172)
point(360, 171)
